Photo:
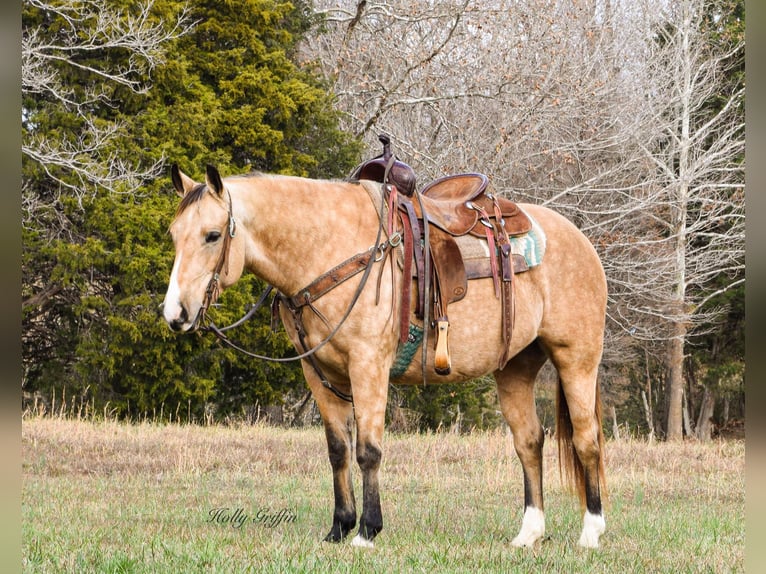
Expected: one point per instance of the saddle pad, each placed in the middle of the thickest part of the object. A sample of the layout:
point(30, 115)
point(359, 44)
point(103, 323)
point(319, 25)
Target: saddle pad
point(531, 245)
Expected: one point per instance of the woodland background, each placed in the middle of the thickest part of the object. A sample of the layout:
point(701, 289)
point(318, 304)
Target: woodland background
point(625, 115)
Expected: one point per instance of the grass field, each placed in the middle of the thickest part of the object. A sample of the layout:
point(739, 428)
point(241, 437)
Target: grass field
point(112, 497)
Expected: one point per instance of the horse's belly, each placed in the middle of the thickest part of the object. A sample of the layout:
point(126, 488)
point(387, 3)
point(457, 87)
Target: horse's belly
point(475, 334)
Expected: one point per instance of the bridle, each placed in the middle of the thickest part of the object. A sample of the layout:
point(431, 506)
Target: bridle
point(213, 287)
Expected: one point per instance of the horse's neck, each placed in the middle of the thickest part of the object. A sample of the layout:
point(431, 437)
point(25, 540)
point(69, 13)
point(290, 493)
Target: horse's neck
point(299, 229)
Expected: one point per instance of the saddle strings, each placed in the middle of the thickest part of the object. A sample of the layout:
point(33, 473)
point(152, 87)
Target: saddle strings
point(426, 286)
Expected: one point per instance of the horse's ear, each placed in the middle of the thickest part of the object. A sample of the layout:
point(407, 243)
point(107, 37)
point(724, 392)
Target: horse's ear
point(214, 181)
point(181, 182)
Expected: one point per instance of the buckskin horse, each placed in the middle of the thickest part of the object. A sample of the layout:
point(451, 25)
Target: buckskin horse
point(317, 242)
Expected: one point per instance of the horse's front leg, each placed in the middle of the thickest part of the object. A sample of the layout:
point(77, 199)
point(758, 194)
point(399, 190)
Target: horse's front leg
point(337, 416)
point(370, 395)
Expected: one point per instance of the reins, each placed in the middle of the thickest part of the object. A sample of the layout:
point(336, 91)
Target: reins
point(375, 253)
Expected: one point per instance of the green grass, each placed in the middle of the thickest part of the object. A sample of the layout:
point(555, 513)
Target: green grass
point(111, 497)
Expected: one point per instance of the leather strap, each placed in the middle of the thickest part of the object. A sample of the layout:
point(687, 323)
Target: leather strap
point(506, 265)
point(418, 247)
point(301, 331)
point(213, 287)
point(406, 301)
point(490, 232)
point(330, 279)
point(509, 308)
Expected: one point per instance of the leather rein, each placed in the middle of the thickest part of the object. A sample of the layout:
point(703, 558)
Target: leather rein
point(361, 262)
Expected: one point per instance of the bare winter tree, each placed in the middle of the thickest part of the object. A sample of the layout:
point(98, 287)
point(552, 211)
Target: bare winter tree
point(535, 93)
point(597, 108)
point(509, 87)
point(695, 191)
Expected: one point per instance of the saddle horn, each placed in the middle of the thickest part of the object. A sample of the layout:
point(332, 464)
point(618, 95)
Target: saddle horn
point(386, 141)
point(377, 169)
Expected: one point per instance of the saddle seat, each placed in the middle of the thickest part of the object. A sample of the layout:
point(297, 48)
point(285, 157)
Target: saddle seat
point(454, 203)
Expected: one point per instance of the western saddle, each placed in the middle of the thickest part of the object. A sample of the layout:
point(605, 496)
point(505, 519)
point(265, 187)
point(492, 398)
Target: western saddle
point(453, 206)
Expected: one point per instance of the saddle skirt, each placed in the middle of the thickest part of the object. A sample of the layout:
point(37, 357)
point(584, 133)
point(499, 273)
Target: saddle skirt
point(528, 249)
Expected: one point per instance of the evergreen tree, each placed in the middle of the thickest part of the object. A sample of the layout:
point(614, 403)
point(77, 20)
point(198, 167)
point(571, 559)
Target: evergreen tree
point(96, 258)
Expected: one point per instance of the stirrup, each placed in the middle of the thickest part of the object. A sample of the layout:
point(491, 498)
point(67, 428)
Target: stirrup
point(442, 361)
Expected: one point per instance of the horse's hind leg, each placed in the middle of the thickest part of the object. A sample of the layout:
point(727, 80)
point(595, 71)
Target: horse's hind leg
point(338, 417)
point(580, 436)
point(515, 389)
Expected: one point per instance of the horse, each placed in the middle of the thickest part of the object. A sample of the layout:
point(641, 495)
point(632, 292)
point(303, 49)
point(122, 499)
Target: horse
point(290, 230)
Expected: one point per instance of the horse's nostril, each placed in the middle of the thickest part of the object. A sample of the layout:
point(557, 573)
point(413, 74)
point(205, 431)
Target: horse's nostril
point(176, 323)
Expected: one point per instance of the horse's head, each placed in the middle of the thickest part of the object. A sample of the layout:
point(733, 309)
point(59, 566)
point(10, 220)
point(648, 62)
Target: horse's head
point(209, 256)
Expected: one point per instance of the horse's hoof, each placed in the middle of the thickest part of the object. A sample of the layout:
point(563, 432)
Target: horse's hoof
point(337, 534)
point(593, 527)
point(361, 542)
point(532, 528)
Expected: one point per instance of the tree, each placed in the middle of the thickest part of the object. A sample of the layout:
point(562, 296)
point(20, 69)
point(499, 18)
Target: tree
point(579, 107)
point(695, 185)
point(225, 91)
point(69, 73)
point(74, 57)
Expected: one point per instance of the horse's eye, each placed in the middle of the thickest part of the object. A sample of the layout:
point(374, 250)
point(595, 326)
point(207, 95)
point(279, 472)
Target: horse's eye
point(212, 236)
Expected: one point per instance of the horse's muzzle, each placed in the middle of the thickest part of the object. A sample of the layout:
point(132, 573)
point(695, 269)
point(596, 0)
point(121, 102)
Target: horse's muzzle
point(178, 323)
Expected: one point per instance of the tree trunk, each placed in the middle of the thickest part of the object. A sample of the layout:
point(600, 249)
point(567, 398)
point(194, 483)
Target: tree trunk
point(705, 421)
point(615, 427)
point(301, 412)
point(678, 226)
point(674, 427)
point(647, 397)
point(688, 428)
point(648, 414)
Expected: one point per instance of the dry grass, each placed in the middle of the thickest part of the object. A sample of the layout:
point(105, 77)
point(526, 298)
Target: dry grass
point(112, 496)
point(58, 446)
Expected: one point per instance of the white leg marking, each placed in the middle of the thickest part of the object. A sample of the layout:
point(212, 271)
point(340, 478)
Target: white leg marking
point(593, 526)
point(532, 527)
point(361, 542)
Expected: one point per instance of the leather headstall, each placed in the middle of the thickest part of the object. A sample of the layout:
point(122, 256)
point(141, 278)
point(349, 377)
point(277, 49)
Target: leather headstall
point(213, 287)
